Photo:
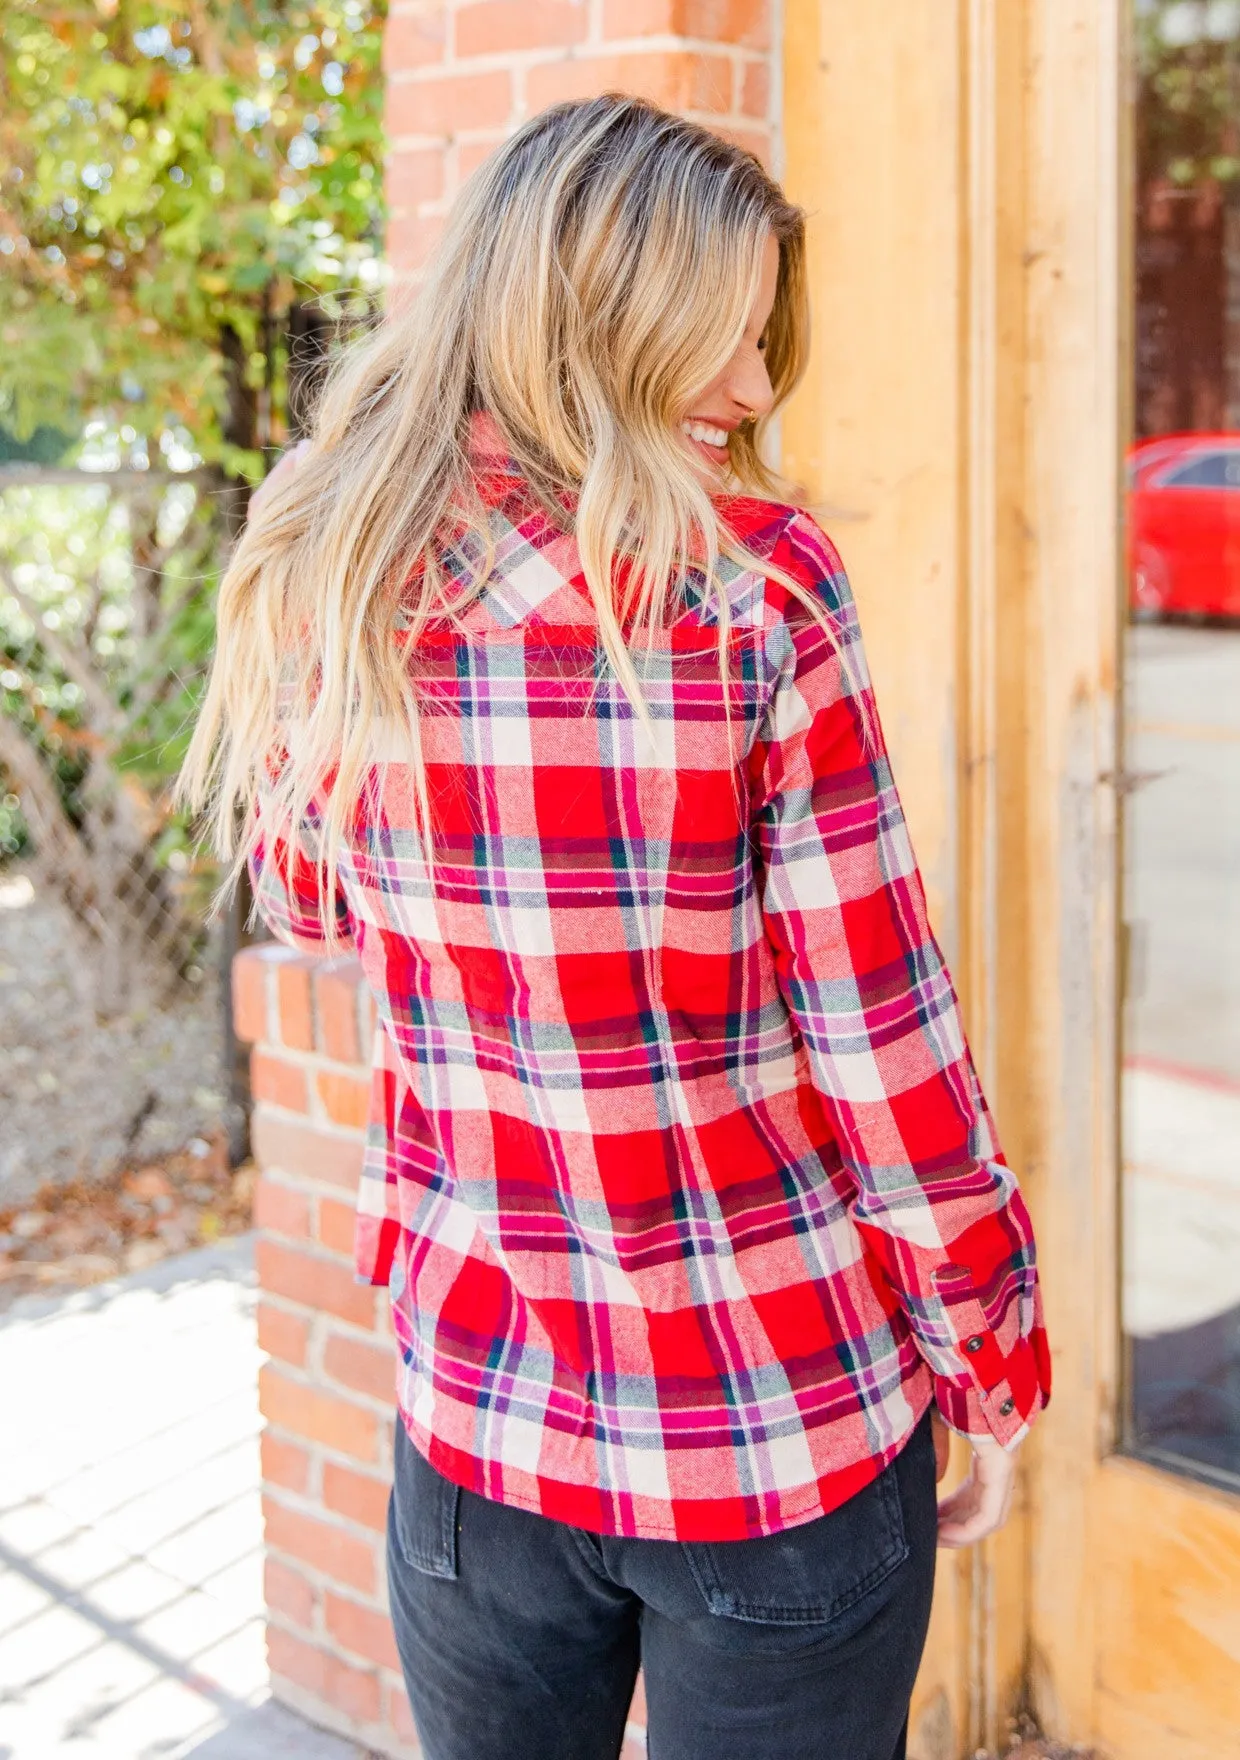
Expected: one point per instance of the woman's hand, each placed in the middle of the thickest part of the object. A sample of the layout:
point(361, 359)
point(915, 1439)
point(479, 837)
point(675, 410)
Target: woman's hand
point(284, 465)
point(980, 1505)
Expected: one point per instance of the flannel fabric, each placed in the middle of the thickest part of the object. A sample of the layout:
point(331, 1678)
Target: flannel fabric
point(678, 1167)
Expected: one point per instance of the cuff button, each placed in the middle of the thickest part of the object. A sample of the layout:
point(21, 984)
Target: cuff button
point(1007, 1408)
point(974, 1344)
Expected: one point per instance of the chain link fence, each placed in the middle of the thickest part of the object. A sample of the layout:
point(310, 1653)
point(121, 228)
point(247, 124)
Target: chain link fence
point(117, 1012)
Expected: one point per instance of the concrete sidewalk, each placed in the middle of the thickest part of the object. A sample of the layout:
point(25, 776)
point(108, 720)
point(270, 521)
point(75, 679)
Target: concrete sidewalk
point(130, 1528)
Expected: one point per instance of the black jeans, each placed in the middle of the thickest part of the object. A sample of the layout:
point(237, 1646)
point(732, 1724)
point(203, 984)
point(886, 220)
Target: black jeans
point(521, 1637)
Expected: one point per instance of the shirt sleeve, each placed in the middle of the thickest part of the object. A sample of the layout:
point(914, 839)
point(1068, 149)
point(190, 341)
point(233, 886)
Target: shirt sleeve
point(394, 1117)
point(868, 989)
point(288, 878)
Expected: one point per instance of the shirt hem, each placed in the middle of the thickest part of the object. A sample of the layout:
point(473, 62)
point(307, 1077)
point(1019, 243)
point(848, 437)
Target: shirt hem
point(918, 1392)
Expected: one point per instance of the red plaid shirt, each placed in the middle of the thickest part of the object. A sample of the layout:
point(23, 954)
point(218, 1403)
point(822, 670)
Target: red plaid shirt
point(678, 1169)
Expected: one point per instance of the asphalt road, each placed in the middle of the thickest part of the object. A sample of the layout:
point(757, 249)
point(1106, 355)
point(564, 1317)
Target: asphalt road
point(1182, 834)
point(1181, 1041)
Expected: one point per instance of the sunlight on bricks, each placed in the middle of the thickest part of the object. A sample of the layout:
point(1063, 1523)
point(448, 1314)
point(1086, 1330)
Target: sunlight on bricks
point(460, 76)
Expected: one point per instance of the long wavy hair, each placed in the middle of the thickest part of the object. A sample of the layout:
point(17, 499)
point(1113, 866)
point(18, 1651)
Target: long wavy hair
point(597, 272)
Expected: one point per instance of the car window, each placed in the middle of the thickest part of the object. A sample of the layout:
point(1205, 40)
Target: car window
point(1207, 470)
point(1153, 455)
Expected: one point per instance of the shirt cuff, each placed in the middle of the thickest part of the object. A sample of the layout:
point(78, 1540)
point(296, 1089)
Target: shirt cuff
point(993, 1413)
point(998, 1380)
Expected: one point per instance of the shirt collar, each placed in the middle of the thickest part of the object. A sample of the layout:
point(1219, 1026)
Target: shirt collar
point(487, 447)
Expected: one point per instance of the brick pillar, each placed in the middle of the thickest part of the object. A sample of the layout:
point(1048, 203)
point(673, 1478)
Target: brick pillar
point(327, 1391)
point(462, 73)
point(327, 1388)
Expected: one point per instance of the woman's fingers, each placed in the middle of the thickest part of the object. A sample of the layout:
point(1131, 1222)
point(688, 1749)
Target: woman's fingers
point(980, 1505)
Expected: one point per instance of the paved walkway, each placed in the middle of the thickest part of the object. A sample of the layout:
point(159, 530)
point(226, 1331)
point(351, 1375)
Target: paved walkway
point(130, 1528)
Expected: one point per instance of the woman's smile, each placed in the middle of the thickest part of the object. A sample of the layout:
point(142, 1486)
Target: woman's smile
point(710, 438)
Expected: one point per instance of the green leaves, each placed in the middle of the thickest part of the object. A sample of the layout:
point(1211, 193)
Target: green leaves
point(179, 179)
point(168, 171)
point(1188, 59)
point(106, 621)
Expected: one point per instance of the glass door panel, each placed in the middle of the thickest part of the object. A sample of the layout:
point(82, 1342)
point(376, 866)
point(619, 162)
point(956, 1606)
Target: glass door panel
point(1181, 1019)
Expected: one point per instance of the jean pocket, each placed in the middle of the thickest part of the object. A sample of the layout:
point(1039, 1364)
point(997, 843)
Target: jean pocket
point(425, 1510)
point(834, 1571)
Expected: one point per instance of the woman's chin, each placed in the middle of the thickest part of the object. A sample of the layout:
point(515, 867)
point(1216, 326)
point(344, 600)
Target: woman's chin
point(710, 463)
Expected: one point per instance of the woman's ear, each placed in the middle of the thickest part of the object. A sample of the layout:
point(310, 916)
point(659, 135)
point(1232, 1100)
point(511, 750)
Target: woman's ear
point(283, 467)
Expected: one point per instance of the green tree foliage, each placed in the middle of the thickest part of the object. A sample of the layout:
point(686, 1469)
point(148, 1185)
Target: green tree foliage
point(1187, 58)
point(101, 642)
point(177, 177)
point(190, 200)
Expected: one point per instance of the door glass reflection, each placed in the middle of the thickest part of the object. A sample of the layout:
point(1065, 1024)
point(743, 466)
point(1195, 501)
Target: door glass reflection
point(1181, 1024)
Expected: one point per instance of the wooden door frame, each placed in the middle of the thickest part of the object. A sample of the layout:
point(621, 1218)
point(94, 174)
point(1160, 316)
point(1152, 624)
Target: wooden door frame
point(1134, 1621)
point(967, 175)
point(1076, 369)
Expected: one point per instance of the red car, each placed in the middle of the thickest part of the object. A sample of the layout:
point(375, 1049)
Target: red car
point(1184, 525)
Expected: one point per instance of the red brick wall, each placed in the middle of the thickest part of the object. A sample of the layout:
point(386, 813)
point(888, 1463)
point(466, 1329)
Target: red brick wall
point(327, 1389)
point(462, 73)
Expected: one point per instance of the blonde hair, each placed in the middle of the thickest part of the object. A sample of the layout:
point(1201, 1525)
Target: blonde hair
point(597, 272)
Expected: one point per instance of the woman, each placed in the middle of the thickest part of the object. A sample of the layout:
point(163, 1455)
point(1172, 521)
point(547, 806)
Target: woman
point(539, 697)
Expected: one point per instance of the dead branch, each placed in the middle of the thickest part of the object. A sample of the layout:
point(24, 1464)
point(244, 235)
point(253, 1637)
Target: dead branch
point(42, 476)
point(71, 663)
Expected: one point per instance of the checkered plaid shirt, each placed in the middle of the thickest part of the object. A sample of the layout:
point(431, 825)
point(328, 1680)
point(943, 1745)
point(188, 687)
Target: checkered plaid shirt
point(678, 1167)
